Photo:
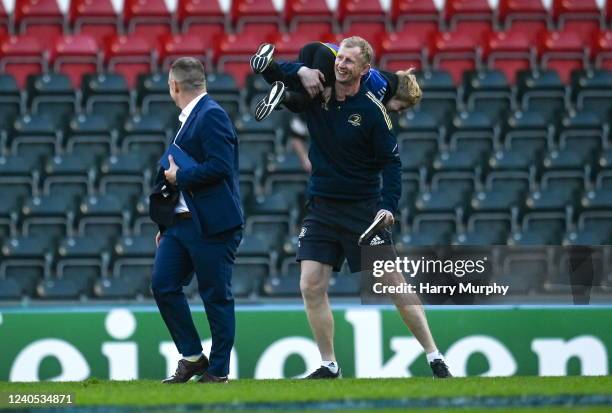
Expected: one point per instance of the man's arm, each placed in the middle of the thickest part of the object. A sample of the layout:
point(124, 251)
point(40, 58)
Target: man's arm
point(218, 143)
point(387, 153)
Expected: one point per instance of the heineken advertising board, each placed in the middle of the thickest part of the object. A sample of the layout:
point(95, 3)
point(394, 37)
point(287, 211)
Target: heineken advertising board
point(133, 343)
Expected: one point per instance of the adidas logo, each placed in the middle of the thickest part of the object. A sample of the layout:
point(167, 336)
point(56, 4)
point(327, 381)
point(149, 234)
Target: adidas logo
point(377, 240)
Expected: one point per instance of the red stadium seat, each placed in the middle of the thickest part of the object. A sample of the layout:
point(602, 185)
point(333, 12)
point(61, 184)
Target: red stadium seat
point(4, 21)
point(21, 56)
point(601, 50)
point(508, 52)
point(454, 52)
point(148, 19)
point(561, 51)
point(420, 17)
point(400, 51)
point(177, 45)
point(203, 18)
point(527, 16)
point(470, 17)
point(288, 45)
point(608, 12)
point(97, 19)
point(244, 13)
point(74, 55)
point(579, 16)
point(312, 16)
point(128, 56)
point(364, 18)
point(40, 18)
point(232, 54)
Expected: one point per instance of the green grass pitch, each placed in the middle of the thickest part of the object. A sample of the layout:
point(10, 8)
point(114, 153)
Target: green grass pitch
point(239, 395)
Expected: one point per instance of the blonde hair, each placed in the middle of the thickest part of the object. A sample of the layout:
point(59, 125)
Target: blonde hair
point(366, 51)
point(408, 89)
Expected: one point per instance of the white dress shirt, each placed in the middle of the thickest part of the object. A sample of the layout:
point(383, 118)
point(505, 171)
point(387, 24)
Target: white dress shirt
point(181, 206)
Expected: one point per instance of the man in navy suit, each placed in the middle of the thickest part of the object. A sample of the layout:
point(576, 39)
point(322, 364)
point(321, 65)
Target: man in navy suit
point(200, 223)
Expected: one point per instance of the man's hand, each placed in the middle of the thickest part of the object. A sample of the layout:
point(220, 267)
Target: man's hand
point(389, 220)
point(170, 173)
point(157, 239)
point(312, 80)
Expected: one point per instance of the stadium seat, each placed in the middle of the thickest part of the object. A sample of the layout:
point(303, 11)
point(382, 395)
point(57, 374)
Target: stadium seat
point(35, 135)
point(173, 46)
point(51, 95)
point(592, 91)
point(416, 151)
point(420, 17)
point(126, 176)
point(581, 132)
point(10, 289)
point(48, 217)
point(309, 16)
point(525, 16)
point(21, 56)
point(258, 17)
point(364, 18)
point(540, 92)
point(83, 260)
point(19, 176)
point(41, 19)
point(102, 217)
point(107, 95)
point(152, 98)
point(71, 174)
point(129, 56)
point(147, 19)
point(224, 89)
point(563, 52)
point(508, 52)
point(439, 95)
point(97, 19)
point(601, 50)
point(204, 19)
point(74, 55)
point(58, 289)
point(487, 92)
point(428, 228)
point(472, 132)
point(10, 104)
point(25, 260)
point(146, 135)
point(470, 17)
point(90, 136)
point(401, 51)
point(454, 52)
point(578, 16)
point(232, 54)
point(248, 275)
point(458, 160)
point(485, 228)
point(524, 272)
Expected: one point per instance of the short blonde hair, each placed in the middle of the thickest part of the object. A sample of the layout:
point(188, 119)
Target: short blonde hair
point(408, 89)
point(365, 49)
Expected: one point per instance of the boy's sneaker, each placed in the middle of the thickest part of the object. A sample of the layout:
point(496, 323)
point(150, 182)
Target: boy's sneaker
point(274, 98)
point(440, 369)
point(324, 373)
point(261, 60)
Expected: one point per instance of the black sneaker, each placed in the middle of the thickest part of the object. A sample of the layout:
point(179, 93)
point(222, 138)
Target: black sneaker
point(274, 98)
point(261, 60)
point(440, 369)
point(187, 369)
point(323, 373)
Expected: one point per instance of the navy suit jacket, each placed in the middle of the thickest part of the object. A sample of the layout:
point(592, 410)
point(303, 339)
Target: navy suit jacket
point(210, 189)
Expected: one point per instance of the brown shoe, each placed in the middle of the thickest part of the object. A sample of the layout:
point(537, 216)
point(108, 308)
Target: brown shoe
point(209, 378)
point(187, 369)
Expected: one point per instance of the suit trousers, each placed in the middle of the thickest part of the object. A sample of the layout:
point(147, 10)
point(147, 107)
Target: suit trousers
point(182, 250)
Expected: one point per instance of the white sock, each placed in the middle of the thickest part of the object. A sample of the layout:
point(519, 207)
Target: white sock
point(331, 365)
point(434, 355)
point(193, 358)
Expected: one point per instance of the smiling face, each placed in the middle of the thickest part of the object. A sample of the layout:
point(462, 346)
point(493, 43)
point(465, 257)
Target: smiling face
point(349, 65)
